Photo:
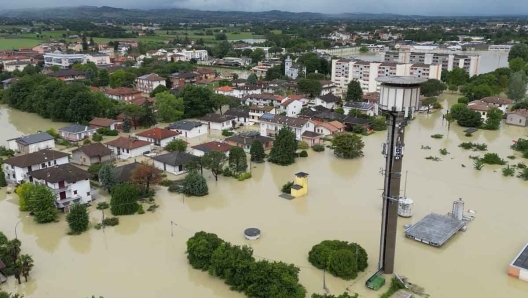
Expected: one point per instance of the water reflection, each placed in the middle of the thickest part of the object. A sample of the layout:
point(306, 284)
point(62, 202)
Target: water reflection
point(81, 244)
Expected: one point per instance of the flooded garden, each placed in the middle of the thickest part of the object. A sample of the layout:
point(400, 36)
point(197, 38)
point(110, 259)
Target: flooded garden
point(145, 254)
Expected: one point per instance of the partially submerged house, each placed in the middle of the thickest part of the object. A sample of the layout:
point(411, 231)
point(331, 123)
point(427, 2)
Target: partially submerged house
point(124, 147)
point(70, 184)
point(91, 154)
point(189, 129)
point(201, 149)
point(246, 139)
point(329, 128)
point(32, 143)
point(242, 115)
point(172, 162)
point(158, 136)
point(20, 168)
point(219, 122)
point(76, 132)
point(517, 117)
point(104, 122)
point(124, 172)
point(271, 124)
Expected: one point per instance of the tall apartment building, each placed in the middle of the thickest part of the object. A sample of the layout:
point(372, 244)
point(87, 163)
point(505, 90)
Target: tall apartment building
point(344, 71)
point(446, 61)
point(62, 60)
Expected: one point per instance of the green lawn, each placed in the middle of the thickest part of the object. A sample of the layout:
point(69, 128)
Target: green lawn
point(15, 43)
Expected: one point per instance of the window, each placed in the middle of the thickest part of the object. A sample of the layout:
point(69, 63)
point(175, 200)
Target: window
point(87, 193)
point(74, 192)
point(55, 162)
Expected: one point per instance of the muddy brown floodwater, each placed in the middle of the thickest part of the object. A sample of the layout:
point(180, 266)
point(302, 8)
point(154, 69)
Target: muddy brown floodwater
point(140, 258)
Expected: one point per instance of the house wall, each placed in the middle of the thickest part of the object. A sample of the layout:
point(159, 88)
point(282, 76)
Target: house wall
point(163, 142)
point(80, 158)
point(517, 120)
point(168, 168)
point(328, 105)
point(20, 173)
point(293, 109)
point(219, 126)
point(147, 86)
point(35, 147)
point(266, 127)
point(80, 188)
point(131, 153)
point(77, 136)
point(322, 130)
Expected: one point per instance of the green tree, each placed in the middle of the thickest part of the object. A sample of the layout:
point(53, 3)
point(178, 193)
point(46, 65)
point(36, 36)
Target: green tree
point(134, 113)
point(379, 123)
point(124, 199)
point(219, 101)
point(107, 176)
point(159, 89)
point(257, 55)
point(221, 49)
point(232, 263)
point(122, 78)
point(354, 91)
point(42, 203)
point(82, 108)
point(315, 76)
point(452, 88)
point(90, 75)
point(195, 185)
point(200, 249)
point(323, 256)
point(26, 264)
point(428, 102)
point(103, 78)
point(517, 88)
point(517, 64)
point(311, 61)
point(493, 119)
point(344, 295)
point(252, 79)
point(457, 110)
point(284, 147)
point(342, 263)
point(432, 87)
point(169, 107)
point(78, 219)
point(463, 100)
point(313, 87)
point(469, 118)
point(237, 160)
point(519, 51)
point(176, 145)
point(214, 161)
point(456, 77)
point(348, 145)
point(24, 191)
point(257, 151)
point(3, 182)
point(197, 100)
point(363, 49)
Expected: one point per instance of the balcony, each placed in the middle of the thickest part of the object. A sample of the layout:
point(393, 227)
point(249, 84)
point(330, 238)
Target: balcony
point(61, 189)
point(68, 201)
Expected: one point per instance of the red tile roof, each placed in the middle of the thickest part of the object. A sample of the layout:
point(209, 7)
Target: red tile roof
point(122, 91)
point(128, 143)
point(102, 122)
point(496, 100)
point(224, 89)
point(158, 133)
point(296, 96)
point(287, 102)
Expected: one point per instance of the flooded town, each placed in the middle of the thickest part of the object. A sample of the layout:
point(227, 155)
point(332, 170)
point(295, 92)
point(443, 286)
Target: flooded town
point(224, 160)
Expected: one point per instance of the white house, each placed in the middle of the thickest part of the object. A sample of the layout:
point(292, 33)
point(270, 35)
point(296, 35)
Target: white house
point(124, 147)
point(158, 136)
point(483, 105)
point(76, 132)
point(98, 58)
point(16, 65)
point(329, 128)
point(365, 107)
point(328, 101)
point(271, 124)
point(293, 71)
point(198, 55)
point(201, 149)
point(189, 129)
point(218, 122)
point(147, 83)
point(328, 87)
point(69, 183)
point(291, 107)
point(172, 162)
point(20, 168)
point(256, 111)
point(242, 115)
point(32, 143)
point(264, 99)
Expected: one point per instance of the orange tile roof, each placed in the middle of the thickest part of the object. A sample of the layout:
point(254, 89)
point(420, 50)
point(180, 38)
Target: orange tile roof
point(158, 133)
point(127, 143)
point(122, 91)
point(224, 89)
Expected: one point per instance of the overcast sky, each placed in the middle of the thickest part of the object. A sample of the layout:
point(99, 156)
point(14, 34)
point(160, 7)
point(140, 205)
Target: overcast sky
point(422, 7)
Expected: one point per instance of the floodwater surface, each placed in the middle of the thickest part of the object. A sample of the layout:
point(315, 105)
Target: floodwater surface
point(144, 256)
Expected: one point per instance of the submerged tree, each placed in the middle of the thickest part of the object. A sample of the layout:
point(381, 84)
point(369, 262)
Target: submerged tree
point(237, 160)
point(42, 204)
point(257, 151)
point(146, 175)
point(78, 219)
point(284, 148)
point(107, 176)
point(214, 161)
point(124, 200)
point(26, 264)
point(348, 145)
point(195, 185)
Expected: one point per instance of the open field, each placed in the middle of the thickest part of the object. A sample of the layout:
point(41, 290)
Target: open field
point(15, 43)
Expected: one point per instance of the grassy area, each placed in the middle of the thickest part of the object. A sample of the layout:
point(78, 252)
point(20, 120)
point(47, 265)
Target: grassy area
point(15, 43)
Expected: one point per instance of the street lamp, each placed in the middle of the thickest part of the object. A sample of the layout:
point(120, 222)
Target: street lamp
point(16, 237)
point(399, 98)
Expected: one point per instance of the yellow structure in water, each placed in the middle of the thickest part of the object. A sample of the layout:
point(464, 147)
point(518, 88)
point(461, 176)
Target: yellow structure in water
point(300, 186)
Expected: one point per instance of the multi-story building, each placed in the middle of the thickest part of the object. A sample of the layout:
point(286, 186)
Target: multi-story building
point(98, 58)
point(446, 61)
point(20, 168)
point(256, 111)
point(123, 94)
point(270, 125)
point(344, 71)
point(147, 83)
point(199, 55)
point(63, 60)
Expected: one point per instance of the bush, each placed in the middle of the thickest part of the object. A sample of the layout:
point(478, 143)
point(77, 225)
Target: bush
point(195, 185)
point(437, 136)
point(359, 129)
point(521, 145)
point(286, 188)
point(432, 158)
point(396, 285)
point(379, 123)
point(102, 206)
point(140, 209)
point(6, 152)
point(492, 159)
point(176, 187)
point(318, 148)
point(303, 154)
point(124, 199)
point(87, 141)
point(78, 219)
point(463, 100)
point(227, 133)
point(523, 174)
point(227, 172)
point(63, 142)
point(508, 171)
point(525, 154)
point(94, 170)
point(302, 145)
point(244, 176)
point(474, 146)
point(521, 165)
point(98, 226)
point(468, 134)
point(512, 157)
point(437, 105)
point(105, 131)
point(166, 182)
point(444, 151)
point(111, 221)
point(53, 132)
point(478, 164)
point(97, 137)
point(339, 258)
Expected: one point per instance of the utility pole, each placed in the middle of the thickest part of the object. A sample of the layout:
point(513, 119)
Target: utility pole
point(103, 222)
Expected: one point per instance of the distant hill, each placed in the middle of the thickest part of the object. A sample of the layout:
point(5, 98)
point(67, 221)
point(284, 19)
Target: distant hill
point(178, 15)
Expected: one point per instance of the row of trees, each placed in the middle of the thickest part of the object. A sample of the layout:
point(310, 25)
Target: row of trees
point(239, 269)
